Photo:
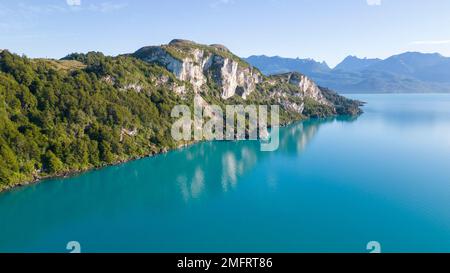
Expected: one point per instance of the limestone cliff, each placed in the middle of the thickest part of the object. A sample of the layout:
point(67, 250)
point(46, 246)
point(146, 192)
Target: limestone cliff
point(212, 67)
point(306, 87)
point(198, 64)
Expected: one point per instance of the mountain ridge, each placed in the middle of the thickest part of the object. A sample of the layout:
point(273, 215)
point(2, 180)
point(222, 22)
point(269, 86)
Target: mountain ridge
point(286, 64)
point(413, 72)
point(353, 63)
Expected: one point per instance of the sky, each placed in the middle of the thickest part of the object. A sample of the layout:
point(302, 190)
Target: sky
point(325, 30)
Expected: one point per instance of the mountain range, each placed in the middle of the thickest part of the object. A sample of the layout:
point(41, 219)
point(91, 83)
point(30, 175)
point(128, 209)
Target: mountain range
point(410, 72)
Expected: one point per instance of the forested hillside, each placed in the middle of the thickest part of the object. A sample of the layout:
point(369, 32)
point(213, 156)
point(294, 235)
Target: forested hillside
point(90, 110)
point(56, 117)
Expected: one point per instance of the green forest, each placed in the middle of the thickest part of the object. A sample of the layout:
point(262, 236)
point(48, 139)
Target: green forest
point(87, 111)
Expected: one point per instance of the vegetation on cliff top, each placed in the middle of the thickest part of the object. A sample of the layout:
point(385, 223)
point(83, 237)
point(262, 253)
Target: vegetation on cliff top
point(182, 49)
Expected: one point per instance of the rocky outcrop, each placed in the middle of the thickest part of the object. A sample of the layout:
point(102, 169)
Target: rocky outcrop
point(199, 64)
point(306, 87)
point(235, 79)
point(108, 79)
point(126, 132)
point(293, 106)
point(214, 67)
point(132, 86)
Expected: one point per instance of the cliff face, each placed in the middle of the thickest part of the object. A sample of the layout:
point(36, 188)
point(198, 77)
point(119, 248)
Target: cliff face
point(215, 67)
point(198, 64)
point(306, 87)
point(235, 79)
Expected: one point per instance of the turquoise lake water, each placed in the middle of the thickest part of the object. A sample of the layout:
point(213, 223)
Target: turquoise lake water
point(332, 186)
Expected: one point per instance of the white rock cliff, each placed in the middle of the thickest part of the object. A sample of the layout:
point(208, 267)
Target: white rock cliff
point(197, 64)
point(204, 66)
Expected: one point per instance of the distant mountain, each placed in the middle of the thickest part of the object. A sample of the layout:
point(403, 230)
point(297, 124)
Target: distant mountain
point(426, 67)
point(353, 63)
point(410, 72)
point(278, 65)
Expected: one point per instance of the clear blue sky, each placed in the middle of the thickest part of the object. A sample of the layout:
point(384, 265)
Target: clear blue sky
point(327, 30)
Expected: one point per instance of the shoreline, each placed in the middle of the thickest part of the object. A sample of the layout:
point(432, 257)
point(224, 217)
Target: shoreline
point(73, 173)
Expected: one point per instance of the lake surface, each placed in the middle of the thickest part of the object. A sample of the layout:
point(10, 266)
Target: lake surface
point(332, 186)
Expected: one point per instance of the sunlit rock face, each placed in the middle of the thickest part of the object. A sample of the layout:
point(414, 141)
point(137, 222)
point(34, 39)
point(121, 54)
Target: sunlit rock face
point(236, 79)
point(197, 64)
point(307, 87)
point(214, 71)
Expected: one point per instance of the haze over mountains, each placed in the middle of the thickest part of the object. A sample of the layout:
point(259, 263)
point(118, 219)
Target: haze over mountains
point(410, 72)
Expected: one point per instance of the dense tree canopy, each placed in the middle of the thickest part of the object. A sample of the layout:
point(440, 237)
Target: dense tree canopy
point(69, 115)
point(61, 116)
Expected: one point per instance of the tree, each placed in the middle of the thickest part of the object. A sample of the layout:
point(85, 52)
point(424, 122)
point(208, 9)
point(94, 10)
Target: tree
point(105, 152)
point(52, 163)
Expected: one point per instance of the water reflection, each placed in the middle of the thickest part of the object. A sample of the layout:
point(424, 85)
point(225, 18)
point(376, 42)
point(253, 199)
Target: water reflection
point(144, 188)
point(217, 167)
point(194, 188)
point(295, 138)
point(330, 187)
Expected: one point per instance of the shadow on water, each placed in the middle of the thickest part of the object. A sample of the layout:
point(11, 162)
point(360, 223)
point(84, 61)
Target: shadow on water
point(160, 184)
